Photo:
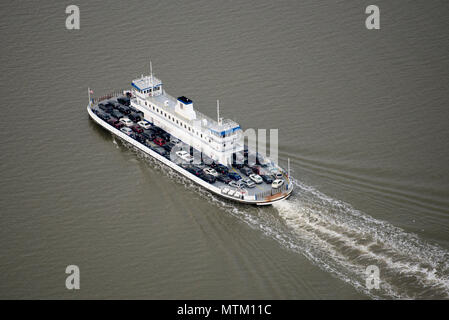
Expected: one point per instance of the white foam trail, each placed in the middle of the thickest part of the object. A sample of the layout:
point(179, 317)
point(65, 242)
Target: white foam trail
point(351, 240)
point(342, 241)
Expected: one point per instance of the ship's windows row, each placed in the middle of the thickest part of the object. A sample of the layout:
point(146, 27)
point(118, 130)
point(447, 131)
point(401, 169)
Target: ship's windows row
point(178, 122)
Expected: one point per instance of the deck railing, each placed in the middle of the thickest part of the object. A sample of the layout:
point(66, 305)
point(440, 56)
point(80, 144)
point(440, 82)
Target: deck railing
point(272, 192)
point(110, 95)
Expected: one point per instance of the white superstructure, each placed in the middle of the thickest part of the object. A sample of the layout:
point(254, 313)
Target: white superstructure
point(218, 139)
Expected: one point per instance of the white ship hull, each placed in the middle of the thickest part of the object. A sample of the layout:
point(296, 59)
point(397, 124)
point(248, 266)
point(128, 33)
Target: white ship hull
point(248, 199)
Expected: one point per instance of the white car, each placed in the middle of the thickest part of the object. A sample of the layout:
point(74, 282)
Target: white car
point(211, 171)
point(233, 184)
point(184, 156)
point(256, 178)
point(249, 183)
point(126, 130)
point(126, 122)
point(276, 173)
point(144, 124)
point(277, 183)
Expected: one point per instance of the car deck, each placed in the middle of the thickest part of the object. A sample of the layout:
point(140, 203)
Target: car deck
point(259, 191)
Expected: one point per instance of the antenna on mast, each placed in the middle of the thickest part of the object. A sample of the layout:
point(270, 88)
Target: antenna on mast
point(151, 72)
point(218, 112)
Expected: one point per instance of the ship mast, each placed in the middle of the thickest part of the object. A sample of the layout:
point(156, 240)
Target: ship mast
point(218, 112)
point(151, 72)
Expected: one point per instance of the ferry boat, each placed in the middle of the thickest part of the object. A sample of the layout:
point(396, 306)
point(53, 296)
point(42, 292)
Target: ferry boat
point(207, 151)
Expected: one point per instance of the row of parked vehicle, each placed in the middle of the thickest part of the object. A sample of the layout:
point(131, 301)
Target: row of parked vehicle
point(215, 172)
point(131, 121)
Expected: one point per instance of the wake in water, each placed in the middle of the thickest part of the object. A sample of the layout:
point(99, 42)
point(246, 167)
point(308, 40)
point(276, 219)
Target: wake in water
point(344, 241)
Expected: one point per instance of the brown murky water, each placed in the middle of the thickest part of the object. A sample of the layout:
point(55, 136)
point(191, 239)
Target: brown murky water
point(362, 116)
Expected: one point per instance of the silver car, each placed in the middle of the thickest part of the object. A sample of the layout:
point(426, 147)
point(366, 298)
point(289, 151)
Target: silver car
point(249, 183)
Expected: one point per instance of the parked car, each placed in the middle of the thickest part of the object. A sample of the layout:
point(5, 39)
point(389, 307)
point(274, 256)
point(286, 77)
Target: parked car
point(134, 117)
point(223, 178)
point(255, 169)
point(277, 183)
point(184, 156)
point(149, 143)
point(170, 145)
point(276, 173)
point(115, 105)
point(115, 123)
point(241, 184)
point(211, 171)
point(104, 116)
point(105, 107)
point(267, 179)
point(233, 184)
point(194, 170)
point(116, 114)
point(159, 141)
point(134, 110)
point(123, 110)
point(207, 177)
point(249, 183)
point(144, 124)
point(163, 134)
point(256, 178)
point(110, 105)
point(246, 171)
point(167, 147)
point(126, 122)
point(137, 128)
point(139, 138)
point(126, 130)
point(124, 100)
point(234, 176)
point(219, 167)
point(149, 135)
point(222, 169)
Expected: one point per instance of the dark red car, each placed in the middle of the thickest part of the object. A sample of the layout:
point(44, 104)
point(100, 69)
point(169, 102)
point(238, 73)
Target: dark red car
point(256, 169)
point(159, 141)
point(136, 128)
point(115, 123)
point(118, 124)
